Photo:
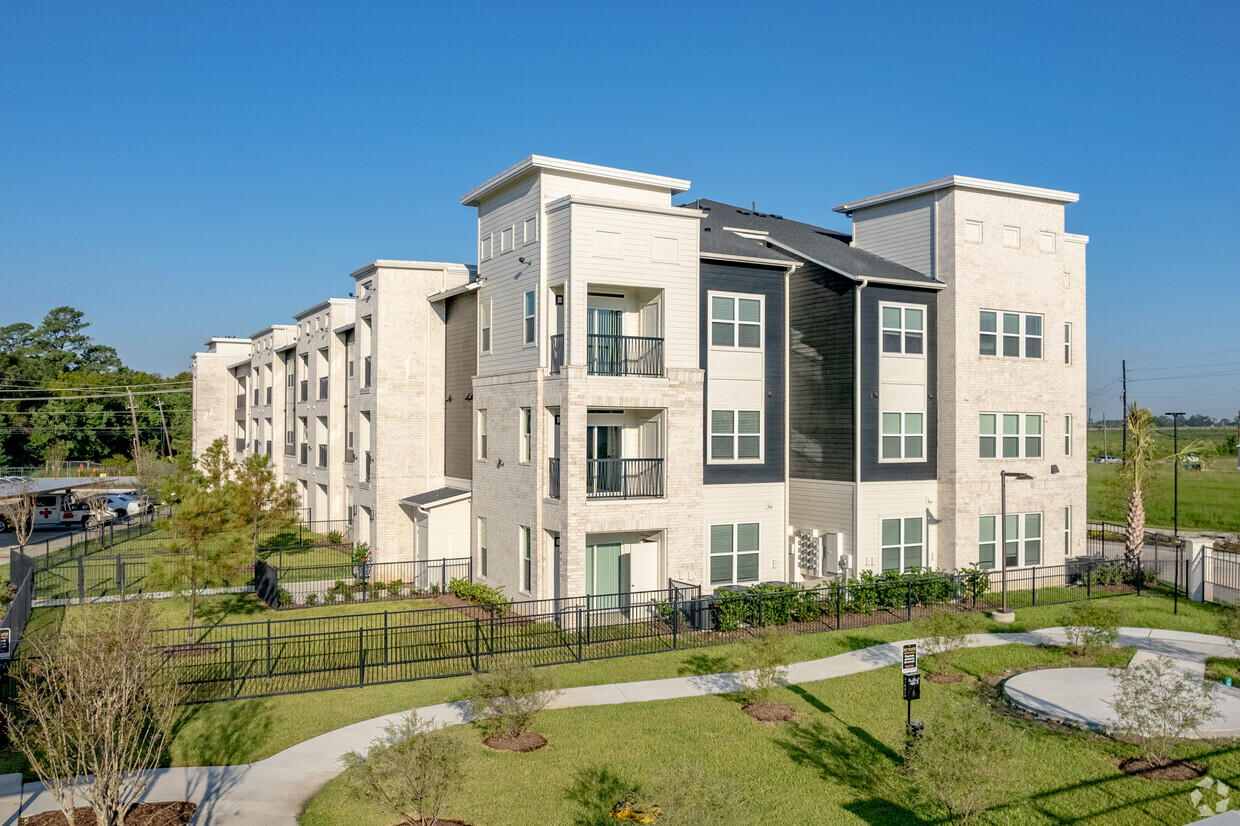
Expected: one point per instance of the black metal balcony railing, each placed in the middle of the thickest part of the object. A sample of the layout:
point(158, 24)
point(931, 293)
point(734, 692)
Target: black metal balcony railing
point(322, 455)
point(553, 478)
point(268, 395)
point(624, 355)
point(322, 387)
point(305, 453)
point(557, 353)
point(241, 445)
point(305, 390)
point(366, 372)
point(624, 478)
point(241, 401)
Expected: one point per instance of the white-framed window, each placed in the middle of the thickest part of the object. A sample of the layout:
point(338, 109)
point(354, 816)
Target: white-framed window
point(484, 251)
point(735, 436)
point(902, 437)
point(505, 239)
point(527, 561)
point(903, 329)
point(482, 545)
point(1020, 336)
point(531, 230)
point(903, 543)
point(1011, 237)
point(1010, 435)
point(1067, 344)
point(1046, 241)
point(987, 541)
point(484, 326)
point(734, 553)
point(527, 318)
point(289, 434)
point(973, 232)
point(1067, 532)
point(736, 321)
point(526, 426)
point(482, 434)
point(1067, 435)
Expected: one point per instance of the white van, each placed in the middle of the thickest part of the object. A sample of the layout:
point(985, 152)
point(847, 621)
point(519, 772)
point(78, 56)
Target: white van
point(63, 510)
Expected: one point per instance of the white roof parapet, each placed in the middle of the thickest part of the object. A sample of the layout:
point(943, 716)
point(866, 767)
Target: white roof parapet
point(476, 195)
point(1056, 195)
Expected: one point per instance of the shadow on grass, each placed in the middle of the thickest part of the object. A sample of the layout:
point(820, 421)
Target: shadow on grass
point(703, 664)
point(810, 698)
point(229, 608)
point(230, 732)
point(594, 791)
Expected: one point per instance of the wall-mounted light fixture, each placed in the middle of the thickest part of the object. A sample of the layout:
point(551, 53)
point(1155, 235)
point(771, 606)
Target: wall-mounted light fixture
point(559, 300)
point(499, 463)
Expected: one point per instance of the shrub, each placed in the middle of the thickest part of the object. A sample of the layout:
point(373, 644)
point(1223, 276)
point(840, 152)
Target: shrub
point(374, 590)
point(1158, 704)
point(479, 594)
point(507, 699)
point(330, 597)
point(335, 537)
point(311, 598)
point(946, 633)
point(1106, 573)
point(361, 554)
point(963, 759)
point(413, 770)
point(930, 587)
point(976, 580)
point(1092, 625)
point(862, 595)
point(395, 587)
point(764, 604)
point(764, 656)
point(283, 597)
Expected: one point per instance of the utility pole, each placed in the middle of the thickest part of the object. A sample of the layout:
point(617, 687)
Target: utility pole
point(164, 423)
point(133, 415)
point(1124, 410)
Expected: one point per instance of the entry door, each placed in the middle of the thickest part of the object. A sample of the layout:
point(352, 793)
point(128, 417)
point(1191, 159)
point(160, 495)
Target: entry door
point(422, 538)
point(604, 345)
point(603, 574)
point(603, 442)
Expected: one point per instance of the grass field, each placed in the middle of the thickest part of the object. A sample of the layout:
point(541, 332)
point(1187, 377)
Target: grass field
point(839, 762)
point(1209, 499)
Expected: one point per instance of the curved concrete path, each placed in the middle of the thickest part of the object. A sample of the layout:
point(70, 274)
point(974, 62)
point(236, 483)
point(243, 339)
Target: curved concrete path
point(273, 792)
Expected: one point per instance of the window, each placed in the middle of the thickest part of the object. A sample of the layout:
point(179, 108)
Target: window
point(973, 232)
point(736, 321)
point(1019, 430)
point(527, 564)
point(734, 553)
point(485, 252)
point(505, 239)
point(349, 430)
point(1046, 241)
point(288, 429)
point(1011, 237)
point(903, 544)
point(1013, 337)
point(525, 434)
point(987, 542)
point(531, 230)
point(1067, 435)
point(528, 324)
point(1067, 344)
point(484, 326)
point(1026, 529)
point(735, 436)
point(482, 545)
point(1067, 532)
point(902, 436)
point(903, 328)
point(350, 353)
point(482, 434)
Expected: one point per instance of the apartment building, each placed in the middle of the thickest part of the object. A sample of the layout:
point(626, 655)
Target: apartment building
point(267, 389)
point(215, 391)
point(627, 390)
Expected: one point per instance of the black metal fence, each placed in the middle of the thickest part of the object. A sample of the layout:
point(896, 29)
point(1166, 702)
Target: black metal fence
point(73, 544)
point(1222, 578)
point(119, 576)
point(310, 585)
point(16, 616)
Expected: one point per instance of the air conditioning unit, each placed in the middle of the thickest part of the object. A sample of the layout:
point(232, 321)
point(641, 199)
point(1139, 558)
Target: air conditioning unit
point(806, 546)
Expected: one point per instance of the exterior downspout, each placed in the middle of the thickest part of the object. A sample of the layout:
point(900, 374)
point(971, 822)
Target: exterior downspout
point(861, 285)
point(793, 574)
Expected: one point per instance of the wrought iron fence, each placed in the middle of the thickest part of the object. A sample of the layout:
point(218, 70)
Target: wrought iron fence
point(17, 615)
point(308, 585)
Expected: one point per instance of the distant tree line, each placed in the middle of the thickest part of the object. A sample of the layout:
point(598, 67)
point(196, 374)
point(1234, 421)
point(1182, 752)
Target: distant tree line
point(59, 359)
point(1195, 420)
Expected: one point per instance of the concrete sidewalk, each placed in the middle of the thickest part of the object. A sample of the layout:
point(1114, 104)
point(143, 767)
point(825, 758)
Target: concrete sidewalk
point(273, 792)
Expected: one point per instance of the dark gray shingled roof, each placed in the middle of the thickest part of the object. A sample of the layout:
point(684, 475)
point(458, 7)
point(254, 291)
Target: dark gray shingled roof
point(433, 496)
point(827, 247)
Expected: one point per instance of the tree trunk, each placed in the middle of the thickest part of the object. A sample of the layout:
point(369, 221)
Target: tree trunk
point(1134, 541)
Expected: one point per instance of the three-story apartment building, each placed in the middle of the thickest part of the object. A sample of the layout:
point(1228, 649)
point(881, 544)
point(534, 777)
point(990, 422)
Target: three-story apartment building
point(626, 390)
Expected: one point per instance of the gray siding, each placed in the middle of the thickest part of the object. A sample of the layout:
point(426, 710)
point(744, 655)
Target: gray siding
point(900, 231)
point(770, 283)
point(460, 365)
point(871, 469)
point(820, 410)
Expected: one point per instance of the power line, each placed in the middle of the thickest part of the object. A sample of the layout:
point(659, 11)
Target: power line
point(1186, 355)
point(50, 388)
point(121, 395)
point(1191, 376)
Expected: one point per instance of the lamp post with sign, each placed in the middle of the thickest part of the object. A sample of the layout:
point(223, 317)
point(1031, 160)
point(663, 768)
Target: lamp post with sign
point(912, 681)
point(1004, 615)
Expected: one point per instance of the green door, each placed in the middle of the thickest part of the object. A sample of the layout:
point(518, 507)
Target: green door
point(603, 574)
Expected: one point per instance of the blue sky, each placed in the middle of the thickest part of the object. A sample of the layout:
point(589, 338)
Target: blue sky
point(184, 170)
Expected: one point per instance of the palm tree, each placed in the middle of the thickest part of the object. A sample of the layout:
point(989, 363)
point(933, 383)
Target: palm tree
point(1138, 471)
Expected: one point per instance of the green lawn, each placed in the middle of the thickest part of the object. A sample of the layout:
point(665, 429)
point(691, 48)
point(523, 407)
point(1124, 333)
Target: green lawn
point(838, 763)
point(1207, 498)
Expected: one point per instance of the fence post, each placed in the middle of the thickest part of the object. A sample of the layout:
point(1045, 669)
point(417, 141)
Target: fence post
point(361, 657)
point(908, 600)
point(477, 642)
point(1033, 588)
point(675, 617)
point(232, 666)
point(385, 638)
point(471, 567)
point(120, 576)
point(1089, 578)
point(839, 599)
point(761, 614)
point(82, 580)
point(578, 632)
point(443, 576)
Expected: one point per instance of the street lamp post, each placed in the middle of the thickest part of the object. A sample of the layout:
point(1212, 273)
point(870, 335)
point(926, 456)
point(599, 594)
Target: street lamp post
point(1175, 456)
point(1004, 475)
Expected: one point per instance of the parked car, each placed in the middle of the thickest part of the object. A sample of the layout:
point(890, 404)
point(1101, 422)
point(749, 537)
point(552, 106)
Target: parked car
point(124, 505)
point(59, 510)
point(1106, 460)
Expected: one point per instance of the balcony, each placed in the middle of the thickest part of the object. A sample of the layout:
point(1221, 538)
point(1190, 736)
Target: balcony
point(305, 390)
point(305, 453)
point(268, 448)
point(349, 457)
point(366, 468)
point(322, 388)
point(322, 456)
point(366, 372)
point(608, 355)
point(240, 445)
point(268, 395)
point(553, 478)
point(257, 396)
point(557, 353)
point(241, 401)
point(624, 478)
point(290, 449)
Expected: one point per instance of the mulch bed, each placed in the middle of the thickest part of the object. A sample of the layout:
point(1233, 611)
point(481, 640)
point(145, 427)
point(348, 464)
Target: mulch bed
point(529, 741)
point(1175, 770)
point(769, 711)
point(954, 677)
point(166, 813)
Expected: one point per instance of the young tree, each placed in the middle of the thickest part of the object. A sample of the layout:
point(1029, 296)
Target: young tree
point(151, 474)
point(1138, 470)
point(217, 465)
point(962, 758)
point(1158, 704)
point(1092, 625)
point(261, 501)
point(414, 770)
point(98, 704)
point(505, 701)
point(946, 633)
point(55, 455)
point(765, 656)
point(17, 511)
point(202, 556)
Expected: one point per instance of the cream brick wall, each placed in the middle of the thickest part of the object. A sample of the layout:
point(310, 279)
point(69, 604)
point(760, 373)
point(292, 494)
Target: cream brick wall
point(214, 392)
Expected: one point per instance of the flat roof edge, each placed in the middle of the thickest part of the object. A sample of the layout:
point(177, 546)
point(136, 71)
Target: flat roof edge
point(1056, 195)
